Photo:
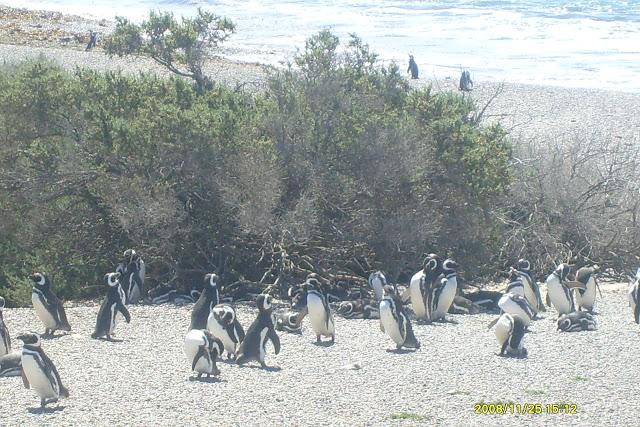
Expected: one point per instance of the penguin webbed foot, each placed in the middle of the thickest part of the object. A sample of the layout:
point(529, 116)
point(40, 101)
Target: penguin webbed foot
point(318, 340)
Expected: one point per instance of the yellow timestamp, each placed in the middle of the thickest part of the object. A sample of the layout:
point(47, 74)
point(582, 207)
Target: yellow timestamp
point(524, 408)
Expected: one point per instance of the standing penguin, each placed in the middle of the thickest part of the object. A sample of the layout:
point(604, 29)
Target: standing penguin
point(422, 285)
point(223, 324)
point(517, 306)
point(586, 298)
point(132, 270)
point(39, 373)
point(319, 312)
point(209, 298)
point(510, 332)
point(47, 306)
point(413, 67)
point(634, 297)
point(5, 338)
point(202, 349)
point(395, 322)
point(531, 288)
point(253, 347)
point(111, 306)
point(558, 290)
point(446, 292)
point(377, 282)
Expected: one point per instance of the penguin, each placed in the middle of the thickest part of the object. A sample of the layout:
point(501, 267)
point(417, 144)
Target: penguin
point(359, 309)
point(446, 292)
point(202, 349)
point(209, 298)
point(509, 333)
point(413, 67)
point(405, 294)
point(5, 338)
point(516, 285)
point(577, 321)
point(586, 298)
point(487, 300)
point(253, 347)
point(517, 306)
point(462, 305)
point(39, 372)
point(47, 306)
point(634, 297)
point(132, 271)
point(112, 304)
point(320, 314)
point(288, 321)
point(531, 287)
point(559, 291)
point(421, 287)
point(162, 294)
point(11, 365)
point(395, 322)
point(377, 281)
point(224, 325)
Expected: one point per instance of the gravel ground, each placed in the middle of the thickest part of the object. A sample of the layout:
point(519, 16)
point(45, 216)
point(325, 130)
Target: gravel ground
point(144, 380)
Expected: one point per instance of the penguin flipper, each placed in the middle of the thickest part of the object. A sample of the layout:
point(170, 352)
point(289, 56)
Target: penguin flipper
point(125, 312)
point(493, 322)
point(25, 381)
point(273, 336)
point(381, 326)
point(201, 353)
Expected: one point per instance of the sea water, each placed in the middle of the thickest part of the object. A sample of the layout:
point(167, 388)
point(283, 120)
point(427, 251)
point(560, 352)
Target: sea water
point(587, 43)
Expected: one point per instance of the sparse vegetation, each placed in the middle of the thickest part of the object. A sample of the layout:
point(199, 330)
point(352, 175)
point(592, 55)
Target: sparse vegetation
point(408, 416)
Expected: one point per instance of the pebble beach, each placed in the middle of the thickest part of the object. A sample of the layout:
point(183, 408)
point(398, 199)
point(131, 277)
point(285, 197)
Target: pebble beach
point(145, 378)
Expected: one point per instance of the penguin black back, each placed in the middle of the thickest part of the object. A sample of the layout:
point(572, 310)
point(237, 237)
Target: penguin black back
point(209, 298)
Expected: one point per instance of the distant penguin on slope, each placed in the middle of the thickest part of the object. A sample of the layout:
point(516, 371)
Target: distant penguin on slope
point(320, 314)
point(39, 372)
point(253, 347)
point(634, 297)
point(112, 305)
point(224, 325)
point(5, 338)
point(509, 333)
point(202, 349)
point(413, 68)
point(47, 306)
point(209, 298)
point(394, 320)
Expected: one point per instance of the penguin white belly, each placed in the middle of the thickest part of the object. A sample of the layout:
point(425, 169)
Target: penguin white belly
point(417, 302)
point(632, 301)
point(38, 379)
point(219, 332)
point(376, 284)
point(446, 299)
point(530, 294)
point(504, 327)
point(391, 327)
point(43, 314)
point(263, 343)
point(192, 343)
point(508, 305)
point(319, 322)
point(3, 348)
point(114, 318)
point(557, 296)
point(589, 298)
point(134, 295)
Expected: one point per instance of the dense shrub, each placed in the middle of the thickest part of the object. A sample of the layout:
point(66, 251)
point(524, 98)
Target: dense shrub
point(337, 167)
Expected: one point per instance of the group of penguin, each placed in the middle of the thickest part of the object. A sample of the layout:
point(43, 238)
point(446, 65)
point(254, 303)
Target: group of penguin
point(214, 330)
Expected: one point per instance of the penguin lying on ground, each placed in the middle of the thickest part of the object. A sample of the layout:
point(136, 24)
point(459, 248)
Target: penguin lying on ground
point(163, 294)
point(112, 305)
point(202, 349)
point(224, 325)
point(509, 333)
point(577, 321)
point(47, 306)
point(394, 320)
point(5, 338)
point(39, 373)
point(288, 321)
point(11, 365)
point(358, 309)
point(253, 347)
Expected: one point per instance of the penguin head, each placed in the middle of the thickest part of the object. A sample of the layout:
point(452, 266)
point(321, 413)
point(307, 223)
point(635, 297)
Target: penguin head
point(298, 297)
point(129, 255)
point(40, 279)
point(562, 271)
point(564, 322)
point(523, 264)
point(211, 280)
point(30, 339)
point(112, 279)
point(449, 266)
point(389, 291)
point(514, 276)
point(312, 284)
point(264, 303)
point(1, 303)
point(432, 264)
point(223, 314)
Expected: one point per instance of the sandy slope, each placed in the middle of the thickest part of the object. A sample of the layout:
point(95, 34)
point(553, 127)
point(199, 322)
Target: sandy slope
point(144, 380)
